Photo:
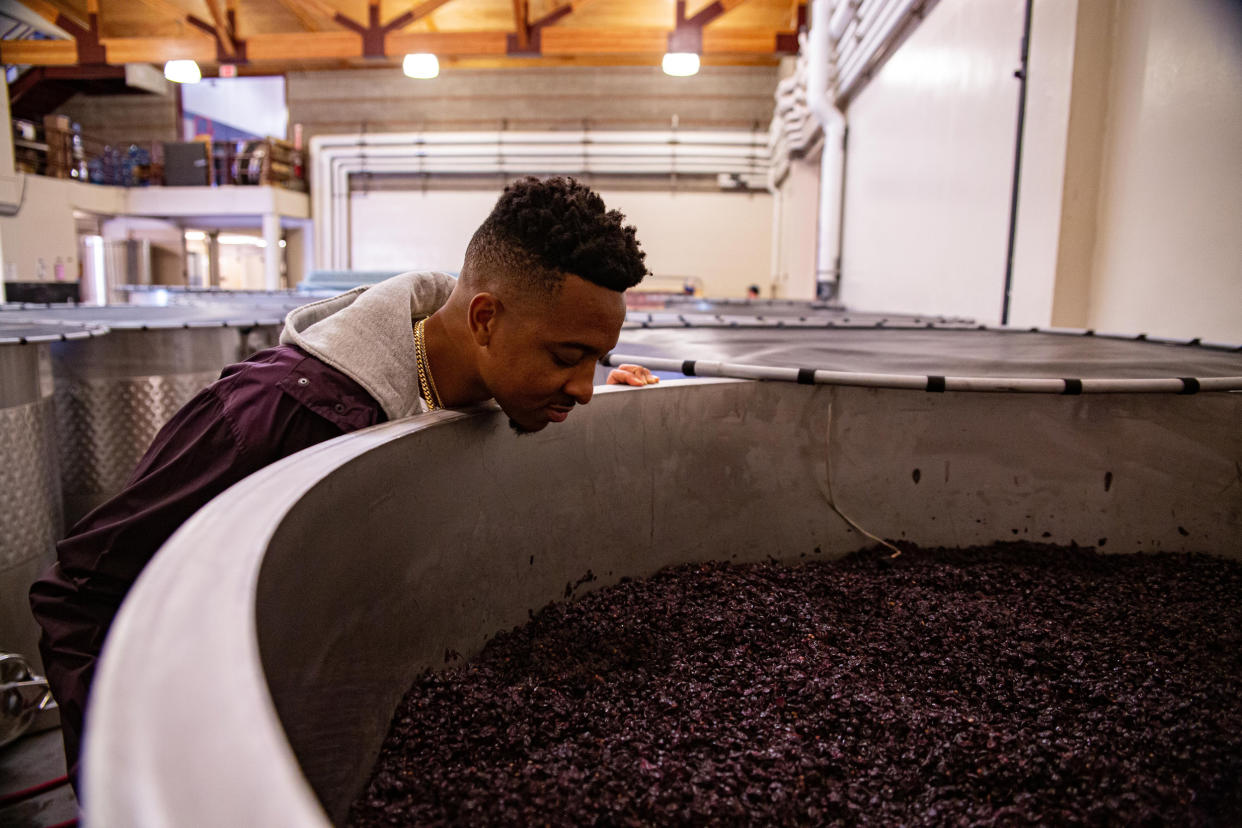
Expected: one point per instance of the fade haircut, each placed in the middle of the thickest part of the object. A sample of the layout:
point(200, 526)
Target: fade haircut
point(539, 231)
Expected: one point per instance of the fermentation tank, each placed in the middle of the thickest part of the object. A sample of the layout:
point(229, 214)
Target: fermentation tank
point(251, 675)
point(30, 505)
point(114, 393)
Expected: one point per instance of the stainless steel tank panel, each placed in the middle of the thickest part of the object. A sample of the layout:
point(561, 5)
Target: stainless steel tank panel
point(30, 499)
point(114, 393)
point(258, 326)
point(252, 626)
point(175, 295)
point(29, 484)
point(142, 316)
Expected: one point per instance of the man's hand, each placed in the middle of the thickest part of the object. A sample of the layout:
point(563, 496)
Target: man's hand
point(632, 375)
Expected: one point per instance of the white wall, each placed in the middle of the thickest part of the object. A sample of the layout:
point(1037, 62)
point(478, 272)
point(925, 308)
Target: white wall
point(419, 230)
point(1168, 251)
point(929, 166)
point(723, 238)
point(1045, 188)
point(794, 262)
point(1131, 190)
point(43, 234)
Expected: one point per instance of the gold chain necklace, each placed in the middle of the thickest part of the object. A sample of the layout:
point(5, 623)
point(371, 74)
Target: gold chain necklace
point(425, 380)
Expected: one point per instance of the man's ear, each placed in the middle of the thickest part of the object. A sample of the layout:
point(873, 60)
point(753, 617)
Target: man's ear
point(485, 309)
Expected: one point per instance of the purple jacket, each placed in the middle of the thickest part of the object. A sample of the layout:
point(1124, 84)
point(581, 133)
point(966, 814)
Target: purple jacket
point(276, 403)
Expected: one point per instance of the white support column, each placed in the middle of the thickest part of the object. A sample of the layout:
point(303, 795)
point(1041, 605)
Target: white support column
point(308, 251)
point(271, 251)
point(9, 201)
point(213, 258)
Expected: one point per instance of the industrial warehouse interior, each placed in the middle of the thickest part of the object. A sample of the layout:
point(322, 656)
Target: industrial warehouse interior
point(621, 412)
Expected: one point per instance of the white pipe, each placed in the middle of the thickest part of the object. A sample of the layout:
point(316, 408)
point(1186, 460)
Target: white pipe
point(831, 190)
point(916, 382)
point(778, 217)
point(875, 44)
point(820, 62)
point(336, 157)
point(845, 11)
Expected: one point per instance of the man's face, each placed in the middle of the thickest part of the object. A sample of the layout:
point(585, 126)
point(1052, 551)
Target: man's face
point(540, 359)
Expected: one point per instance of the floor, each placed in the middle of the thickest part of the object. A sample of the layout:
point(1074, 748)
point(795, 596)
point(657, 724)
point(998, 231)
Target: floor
point(34, 792)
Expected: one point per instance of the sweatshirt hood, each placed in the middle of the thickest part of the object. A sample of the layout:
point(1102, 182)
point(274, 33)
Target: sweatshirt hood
point(368, 334)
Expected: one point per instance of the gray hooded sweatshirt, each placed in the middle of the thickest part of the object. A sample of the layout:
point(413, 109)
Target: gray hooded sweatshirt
point(368, 334)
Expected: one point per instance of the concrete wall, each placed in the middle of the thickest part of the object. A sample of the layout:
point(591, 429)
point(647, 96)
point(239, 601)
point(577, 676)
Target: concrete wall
point(384, 100)
point(721, 238)
point(121, 119)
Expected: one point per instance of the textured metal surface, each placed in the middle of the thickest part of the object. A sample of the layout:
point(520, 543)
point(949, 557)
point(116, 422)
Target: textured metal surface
point(29, 484)
point(134, 317)
point(259, 338)
point(31, 517)
point(105, 426)
point(113, 393)
point(22, 368)
point(429, 534)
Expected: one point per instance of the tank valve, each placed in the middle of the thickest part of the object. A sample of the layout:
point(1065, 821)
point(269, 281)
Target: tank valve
point(23, 695)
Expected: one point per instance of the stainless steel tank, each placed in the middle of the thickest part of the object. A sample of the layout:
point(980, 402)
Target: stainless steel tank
point(30, 501)
point(251, 675)
point(114, 393)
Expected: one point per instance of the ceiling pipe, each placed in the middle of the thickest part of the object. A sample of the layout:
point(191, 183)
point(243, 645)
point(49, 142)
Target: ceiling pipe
point(821, 67)
point(890, 19)
point(337, 158)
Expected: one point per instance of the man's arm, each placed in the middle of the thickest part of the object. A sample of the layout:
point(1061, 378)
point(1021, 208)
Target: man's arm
point(196, 456)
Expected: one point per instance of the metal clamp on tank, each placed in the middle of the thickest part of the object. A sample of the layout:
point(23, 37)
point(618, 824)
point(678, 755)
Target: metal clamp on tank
point(23, 695)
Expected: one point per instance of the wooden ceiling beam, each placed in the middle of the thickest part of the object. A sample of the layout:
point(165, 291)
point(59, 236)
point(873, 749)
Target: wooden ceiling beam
point(559, 13)
point(224, 32)
point(123, 50)
point(285, 47)
point(565, 41)
point(39, 52)
point(713, 11)
point(53, 11)
point(277, 48)
point(527, 41)
point(449, 43)
point(298, 9)
point(521, 22)
point(425, 8)
point(797, 14)
point(166, 8)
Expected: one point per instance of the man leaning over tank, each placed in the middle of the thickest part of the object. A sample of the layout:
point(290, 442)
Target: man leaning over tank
point(539, 301)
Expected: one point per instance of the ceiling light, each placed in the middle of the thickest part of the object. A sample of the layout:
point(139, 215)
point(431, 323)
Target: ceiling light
point(195, 235)
point(421, 65)
point(681, 64)
point(182, 71)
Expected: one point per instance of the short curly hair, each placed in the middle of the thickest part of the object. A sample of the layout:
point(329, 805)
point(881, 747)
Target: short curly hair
point(541, 230)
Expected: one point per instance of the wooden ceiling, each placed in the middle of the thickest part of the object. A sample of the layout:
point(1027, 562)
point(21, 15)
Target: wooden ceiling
point(274, 36)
